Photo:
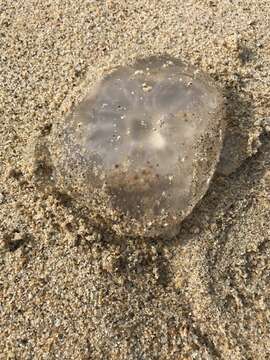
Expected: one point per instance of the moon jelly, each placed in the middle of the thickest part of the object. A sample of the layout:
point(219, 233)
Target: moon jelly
point(140, 149)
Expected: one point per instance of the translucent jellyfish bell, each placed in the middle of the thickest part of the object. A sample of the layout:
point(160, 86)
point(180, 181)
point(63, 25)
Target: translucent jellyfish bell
point(142, 146)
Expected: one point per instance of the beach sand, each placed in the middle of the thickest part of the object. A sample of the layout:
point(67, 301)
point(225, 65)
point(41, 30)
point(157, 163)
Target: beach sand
point(71, 290)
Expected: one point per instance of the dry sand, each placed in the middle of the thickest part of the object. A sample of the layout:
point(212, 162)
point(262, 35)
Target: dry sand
point(71, 291)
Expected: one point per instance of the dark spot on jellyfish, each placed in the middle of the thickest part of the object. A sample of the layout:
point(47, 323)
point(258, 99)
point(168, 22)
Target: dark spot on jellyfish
point(139, 129)
point(144, 172)
point(186, 147)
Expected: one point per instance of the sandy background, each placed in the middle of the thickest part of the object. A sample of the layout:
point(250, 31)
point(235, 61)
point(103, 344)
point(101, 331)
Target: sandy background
point(69, 291)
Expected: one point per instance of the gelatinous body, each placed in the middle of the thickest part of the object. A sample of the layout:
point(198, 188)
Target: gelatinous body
point(142, 146)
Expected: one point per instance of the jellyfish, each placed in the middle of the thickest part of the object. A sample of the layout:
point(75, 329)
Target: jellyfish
point(141, 148)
